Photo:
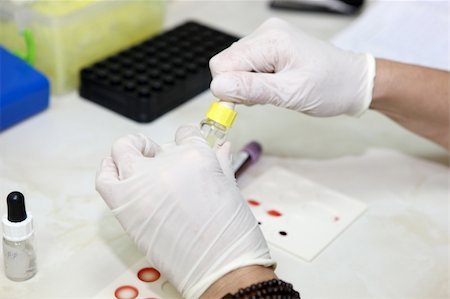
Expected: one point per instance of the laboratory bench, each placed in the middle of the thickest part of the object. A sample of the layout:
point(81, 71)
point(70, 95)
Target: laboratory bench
point(397, 249)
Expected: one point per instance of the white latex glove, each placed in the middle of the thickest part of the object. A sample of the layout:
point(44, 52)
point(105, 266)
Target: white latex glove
point(281, 65)
point(180, 204)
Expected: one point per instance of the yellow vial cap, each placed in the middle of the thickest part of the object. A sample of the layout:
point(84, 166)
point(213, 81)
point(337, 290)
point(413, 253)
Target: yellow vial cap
point(221, 114)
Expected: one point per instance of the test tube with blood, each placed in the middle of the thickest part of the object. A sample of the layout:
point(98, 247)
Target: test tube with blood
point(245, 157)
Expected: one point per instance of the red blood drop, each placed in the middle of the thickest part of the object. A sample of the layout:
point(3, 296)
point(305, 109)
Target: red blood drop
point(126, 292)
point(148, 274)
point(253, 202)
point(274, 213)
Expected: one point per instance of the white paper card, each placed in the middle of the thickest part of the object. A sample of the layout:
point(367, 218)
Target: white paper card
point(414, 32)
point(139, 281)
point(298, 215)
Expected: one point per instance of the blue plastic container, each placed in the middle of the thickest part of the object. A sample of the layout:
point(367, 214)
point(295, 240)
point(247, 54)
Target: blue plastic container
point(23, 90)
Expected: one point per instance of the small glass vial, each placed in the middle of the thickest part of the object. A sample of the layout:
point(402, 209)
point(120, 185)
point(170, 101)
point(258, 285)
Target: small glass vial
point(218, 121)
point(18, 248)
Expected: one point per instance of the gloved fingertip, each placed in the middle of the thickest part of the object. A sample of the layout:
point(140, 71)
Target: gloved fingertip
point(132, 146)
point(223, 154)
point(222, 62)
point(150, 148)
point(275, 22)
point(188, 133)
point(107, 172)
point(215, 64)
point(224, 86)
point(225, 150)
point(108, 165)
point(243, 87)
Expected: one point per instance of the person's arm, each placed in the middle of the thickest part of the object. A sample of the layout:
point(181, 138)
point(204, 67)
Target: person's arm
point(279, 64)
point(415, 97)
point(181, 206)
point(238, 279)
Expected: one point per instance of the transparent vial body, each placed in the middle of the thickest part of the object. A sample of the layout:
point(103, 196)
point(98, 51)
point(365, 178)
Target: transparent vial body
point(214, 133)
point(20, 259)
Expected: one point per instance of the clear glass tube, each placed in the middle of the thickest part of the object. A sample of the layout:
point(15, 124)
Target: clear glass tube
point(20, 259)
point(214, 133)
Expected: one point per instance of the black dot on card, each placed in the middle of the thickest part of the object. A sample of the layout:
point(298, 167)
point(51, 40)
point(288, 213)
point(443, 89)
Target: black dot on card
point(259, 222)
point(283, 233)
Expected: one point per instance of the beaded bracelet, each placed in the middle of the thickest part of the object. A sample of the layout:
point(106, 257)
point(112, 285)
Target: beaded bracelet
point(269, 289)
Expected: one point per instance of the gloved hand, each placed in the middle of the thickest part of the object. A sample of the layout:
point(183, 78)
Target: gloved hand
point(281, 65)
point(181, 206)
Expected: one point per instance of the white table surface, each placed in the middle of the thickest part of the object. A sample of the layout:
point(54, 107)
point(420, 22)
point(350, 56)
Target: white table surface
point(52, 159)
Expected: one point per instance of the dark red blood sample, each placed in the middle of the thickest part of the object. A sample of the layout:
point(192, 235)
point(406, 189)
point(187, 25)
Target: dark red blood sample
point(126, 292)
point(336, 218)
point(274, 213)
point(148, 274)
point(253, 202)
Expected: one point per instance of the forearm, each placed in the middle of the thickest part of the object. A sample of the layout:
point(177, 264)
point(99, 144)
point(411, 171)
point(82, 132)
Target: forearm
point(415, 97)
point(235, 280)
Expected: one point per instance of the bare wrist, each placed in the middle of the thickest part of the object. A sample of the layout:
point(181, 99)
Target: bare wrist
point(382, 82)
point(237, 279)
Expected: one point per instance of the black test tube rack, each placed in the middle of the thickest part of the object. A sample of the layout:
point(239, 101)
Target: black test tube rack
point(151, 78)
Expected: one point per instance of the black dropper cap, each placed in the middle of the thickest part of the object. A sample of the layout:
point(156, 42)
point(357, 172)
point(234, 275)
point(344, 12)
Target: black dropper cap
point(16, 207)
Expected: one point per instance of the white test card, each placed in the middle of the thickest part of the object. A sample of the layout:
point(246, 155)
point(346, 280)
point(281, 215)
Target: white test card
point(139, 281)
point(297, 215)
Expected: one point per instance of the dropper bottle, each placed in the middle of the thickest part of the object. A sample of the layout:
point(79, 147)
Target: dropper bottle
point(218, 121)
point(18, 249)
